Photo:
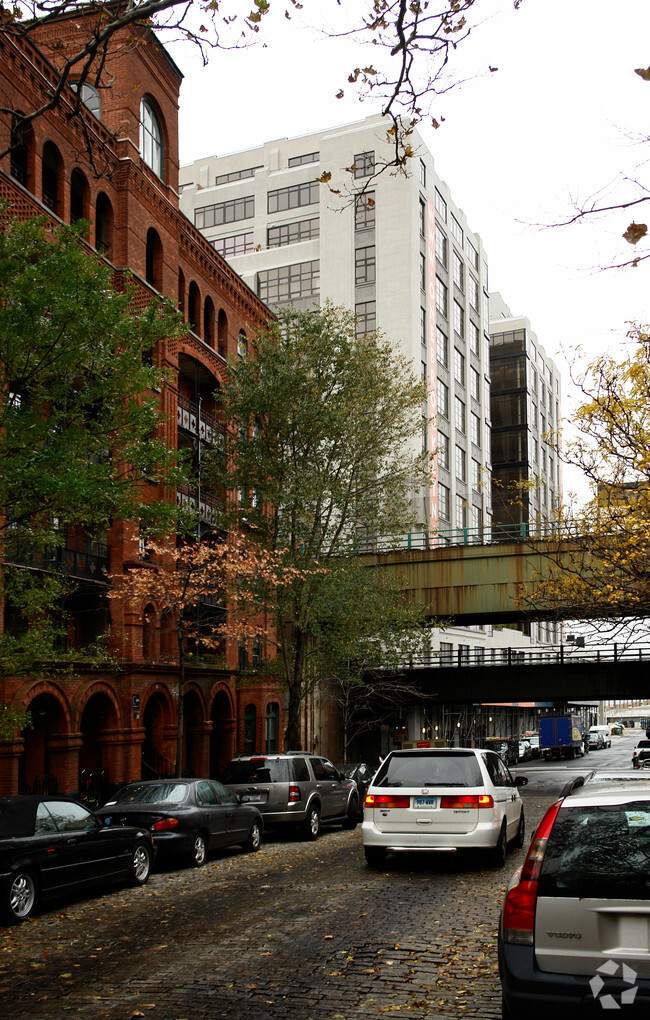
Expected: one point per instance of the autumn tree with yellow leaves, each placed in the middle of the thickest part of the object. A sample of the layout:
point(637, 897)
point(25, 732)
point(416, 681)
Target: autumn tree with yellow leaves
point(211, 590)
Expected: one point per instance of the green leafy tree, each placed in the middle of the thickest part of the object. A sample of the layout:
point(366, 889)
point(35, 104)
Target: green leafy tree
point(78, 413)
point(325, 426)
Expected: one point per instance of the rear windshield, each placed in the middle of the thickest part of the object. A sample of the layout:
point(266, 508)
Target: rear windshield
point(599, 851)
point(445, 769)
point(163, 793)
point(256, 770)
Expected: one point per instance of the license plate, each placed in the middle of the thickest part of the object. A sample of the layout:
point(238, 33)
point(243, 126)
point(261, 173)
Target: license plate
point(425, 801)
point(251, 798)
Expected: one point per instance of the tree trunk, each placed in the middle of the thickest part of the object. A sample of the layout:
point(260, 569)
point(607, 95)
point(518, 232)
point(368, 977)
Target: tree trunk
point(296, 686)
point(179, 710)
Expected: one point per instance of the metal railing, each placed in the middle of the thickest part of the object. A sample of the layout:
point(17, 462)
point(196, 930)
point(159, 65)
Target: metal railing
point(423, 539)
point(551, 655)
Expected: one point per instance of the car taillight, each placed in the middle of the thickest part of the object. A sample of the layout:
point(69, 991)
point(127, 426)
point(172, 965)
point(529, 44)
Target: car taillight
point(467, 800)
point(165, 823)
point(294, 794)
point(518, 921)
point(385, 800)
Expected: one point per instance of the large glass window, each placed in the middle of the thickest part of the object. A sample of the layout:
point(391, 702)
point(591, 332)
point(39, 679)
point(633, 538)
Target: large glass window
point(364, 211)
point(307, 157)
point(443, 399)
point(293, 197)
point(441, 206)
point(458, 268)
point(364, 265)
point(441, 297)
point(89, 97)
point(366, 313)
point(442, 347)
point(459, 367)
point(441, 248)
point(364, 164)
point(461, 464)
point(443, 502)
point(443, 450)
point(459, 319)
point(238, 244)
point(459, 414)
point(291, 233)
point(225, 212)
point(287, 283)
point(151, 141)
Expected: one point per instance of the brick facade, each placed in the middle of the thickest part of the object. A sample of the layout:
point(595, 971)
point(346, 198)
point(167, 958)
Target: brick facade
point(122, 724)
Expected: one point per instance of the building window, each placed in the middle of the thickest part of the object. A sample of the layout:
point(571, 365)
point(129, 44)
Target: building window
point(237, 244)
point(443, 450)
point(475, 428)
point(287, 283)
point(441, 247)
point(272, 727)
point(446, 653)
point(443, 502)
point(423, 327)
point(21, 144)
point(475, 475)
point(366, 314)
point(461, 512)
point(423, 173)
point(463, 651)
point(441, 206)
point(242, 345)
point(474, 339)
point(461, 464)
point(423, 218)
point(153, 259)
point(441, 297)
point(364, 164)
point(307, 157)
point(472, 254)
point(459, 319)
point(52, 176)
point(442, 347)
point(457, 231)
point(459, 367)
point(292, 233)
point(89, 97)
point(225, 212)
point(364, 211)
point(293, 197)
point(458, 269)
point(474, 383)
point(151, 142)
point(443, 399)
point(473, 292)
point(236, 175)
point(459, 414)
point(250, 727)
point(364, 265)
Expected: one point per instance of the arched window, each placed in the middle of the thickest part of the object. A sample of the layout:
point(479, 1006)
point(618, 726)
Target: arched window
point(153, 268)
point(250, 725)
point(272, 721)
point(194, 307)
point(52, 176)
point(22, 141)
point(222, 332)
point(151, 139)
point(181, 292)
point(208, 321)
point(242, 345)
point(89, 97)
point(103, 224)
point(78, 196)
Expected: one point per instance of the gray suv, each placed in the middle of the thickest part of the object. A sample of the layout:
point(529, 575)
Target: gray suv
point(295, 788)
point(573, 937)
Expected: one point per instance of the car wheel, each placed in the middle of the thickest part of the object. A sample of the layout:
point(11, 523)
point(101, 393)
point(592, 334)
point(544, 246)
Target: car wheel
point(311, 825)
point(521, 831)
point(140, 864)
point(199, 850)
point(375, 856)
point(498, 853)
point(20, 896)
point(254, 841)
point(352, 817)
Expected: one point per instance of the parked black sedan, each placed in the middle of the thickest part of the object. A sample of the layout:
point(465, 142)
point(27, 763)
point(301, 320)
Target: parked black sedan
point(186, 817)
point(53, 845)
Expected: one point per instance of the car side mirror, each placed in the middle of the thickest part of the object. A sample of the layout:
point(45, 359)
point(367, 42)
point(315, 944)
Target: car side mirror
point(521, 781)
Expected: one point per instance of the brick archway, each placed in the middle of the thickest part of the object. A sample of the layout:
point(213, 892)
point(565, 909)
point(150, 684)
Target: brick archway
point(222, 737)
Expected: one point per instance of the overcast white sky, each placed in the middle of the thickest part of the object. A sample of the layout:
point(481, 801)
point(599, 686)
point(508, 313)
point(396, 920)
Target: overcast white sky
point(561, 118)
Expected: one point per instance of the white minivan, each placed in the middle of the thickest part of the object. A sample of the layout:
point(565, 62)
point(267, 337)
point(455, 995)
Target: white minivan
point(606, 732)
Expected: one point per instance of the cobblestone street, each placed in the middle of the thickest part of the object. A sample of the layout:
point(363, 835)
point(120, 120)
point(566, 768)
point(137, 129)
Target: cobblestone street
point(299, 931)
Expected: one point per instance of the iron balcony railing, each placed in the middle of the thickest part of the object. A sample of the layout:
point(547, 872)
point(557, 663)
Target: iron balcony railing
point(198, 422)
point(424, 539)
point(78, 556)
point(550, 655)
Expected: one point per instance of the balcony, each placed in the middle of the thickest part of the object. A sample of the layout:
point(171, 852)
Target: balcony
point(193, 419)
point(78, 556)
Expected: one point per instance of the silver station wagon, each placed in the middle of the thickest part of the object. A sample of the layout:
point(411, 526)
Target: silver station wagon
point(441, 800)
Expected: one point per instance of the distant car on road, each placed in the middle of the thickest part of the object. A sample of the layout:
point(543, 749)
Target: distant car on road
point(596, 740)
point(187, 817)
point(50, 846)
point(640, 752)
point(525, 752)
point(533, 740)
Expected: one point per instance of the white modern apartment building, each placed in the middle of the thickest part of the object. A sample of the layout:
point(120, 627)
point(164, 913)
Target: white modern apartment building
point(395, 248)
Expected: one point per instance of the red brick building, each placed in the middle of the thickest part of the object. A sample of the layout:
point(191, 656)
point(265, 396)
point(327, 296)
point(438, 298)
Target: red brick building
point(116, 165)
